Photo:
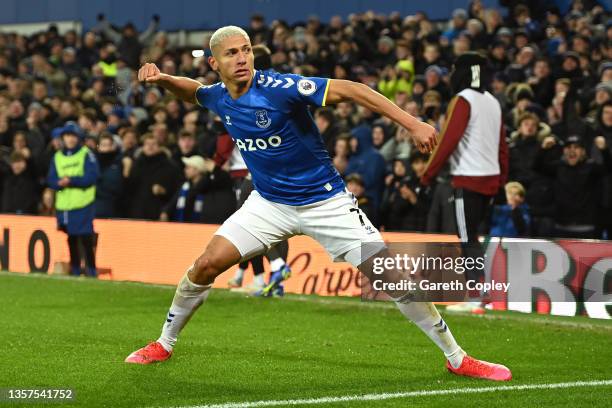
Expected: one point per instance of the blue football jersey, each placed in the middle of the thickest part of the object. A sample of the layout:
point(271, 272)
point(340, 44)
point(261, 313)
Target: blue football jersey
point(277, 137)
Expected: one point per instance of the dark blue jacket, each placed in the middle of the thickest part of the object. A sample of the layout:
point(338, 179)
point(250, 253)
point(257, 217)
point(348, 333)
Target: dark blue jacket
point(109, 186)
point(369, 164)
point(509, 223)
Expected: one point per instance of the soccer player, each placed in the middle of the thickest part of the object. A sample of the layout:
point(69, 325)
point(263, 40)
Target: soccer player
point(297, 189)
point(277, 256)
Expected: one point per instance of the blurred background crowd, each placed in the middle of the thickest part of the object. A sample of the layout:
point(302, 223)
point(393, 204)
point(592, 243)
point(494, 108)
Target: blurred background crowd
point(164, 159)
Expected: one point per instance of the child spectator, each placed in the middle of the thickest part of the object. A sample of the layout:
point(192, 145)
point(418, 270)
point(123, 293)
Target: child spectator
point(512, 219)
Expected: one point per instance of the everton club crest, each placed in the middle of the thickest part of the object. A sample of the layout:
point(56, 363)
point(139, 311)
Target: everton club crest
point(262, 119)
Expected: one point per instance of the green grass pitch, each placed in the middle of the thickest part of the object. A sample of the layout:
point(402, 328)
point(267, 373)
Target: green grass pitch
point(65, 332)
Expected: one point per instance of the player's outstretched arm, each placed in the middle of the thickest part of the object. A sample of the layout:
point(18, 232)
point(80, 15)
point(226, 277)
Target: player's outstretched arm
point(423, 135)
point(184, 88)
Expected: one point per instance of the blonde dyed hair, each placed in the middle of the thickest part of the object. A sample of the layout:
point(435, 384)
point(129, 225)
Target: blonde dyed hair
point(226, 32)
point(515, 186)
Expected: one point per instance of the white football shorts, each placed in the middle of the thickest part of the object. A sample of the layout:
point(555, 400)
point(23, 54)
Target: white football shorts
point(336, 223)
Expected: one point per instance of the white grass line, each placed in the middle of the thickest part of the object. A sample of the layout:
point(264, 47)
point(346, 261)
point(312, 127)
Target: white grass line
point(423, 393)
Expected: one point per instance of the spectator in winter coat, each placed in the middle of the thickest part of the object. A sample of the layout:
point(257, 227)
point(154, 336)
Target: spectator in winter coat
point(342, 151)
point(185, 147)
point(603, 127)
point(577, 185)
point(457, 24)
point(152, 181)
point(433, 79)
point(206, 196)
point(417, 221)
point(406, 201)
point(441, 216)
point(523, 148)
point(44, 160)
point(397, 147)
point(109, 186)
point(398, 79)
point(326, 123)
point(187, 203)
point(20, 191)
point(368, 163)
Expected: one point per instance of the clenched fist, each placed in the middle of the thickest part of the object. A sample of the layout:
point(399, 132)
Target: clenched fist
point(149, 73)
point(424, 137)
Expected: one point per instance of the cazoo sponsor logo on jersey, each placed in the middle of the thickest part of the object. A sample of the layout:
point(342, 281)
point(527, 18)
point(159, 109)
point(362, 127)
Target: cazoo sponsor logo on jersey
point(251, 145)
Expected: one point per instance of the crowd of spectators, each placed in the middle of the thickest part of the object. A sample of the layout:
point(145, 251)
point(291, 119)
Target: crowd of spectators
point(551, 72)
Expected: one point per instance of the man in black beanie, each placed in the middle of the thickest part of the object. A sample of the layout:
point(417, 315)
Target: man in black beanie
point(473, 140)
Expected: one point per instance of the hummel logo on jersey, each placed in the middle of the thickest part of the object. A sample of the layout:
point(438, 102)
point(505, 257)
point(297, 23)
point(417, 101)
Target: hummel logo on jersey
point(268, 81)
point(262, 119)
point(251, 145)
point(228, 120)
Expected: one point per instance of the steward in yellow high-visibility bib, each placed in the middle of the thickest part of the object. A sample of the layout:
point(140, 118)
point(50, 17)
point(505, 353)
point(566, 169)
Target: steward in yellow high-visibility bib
point(73, 174)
